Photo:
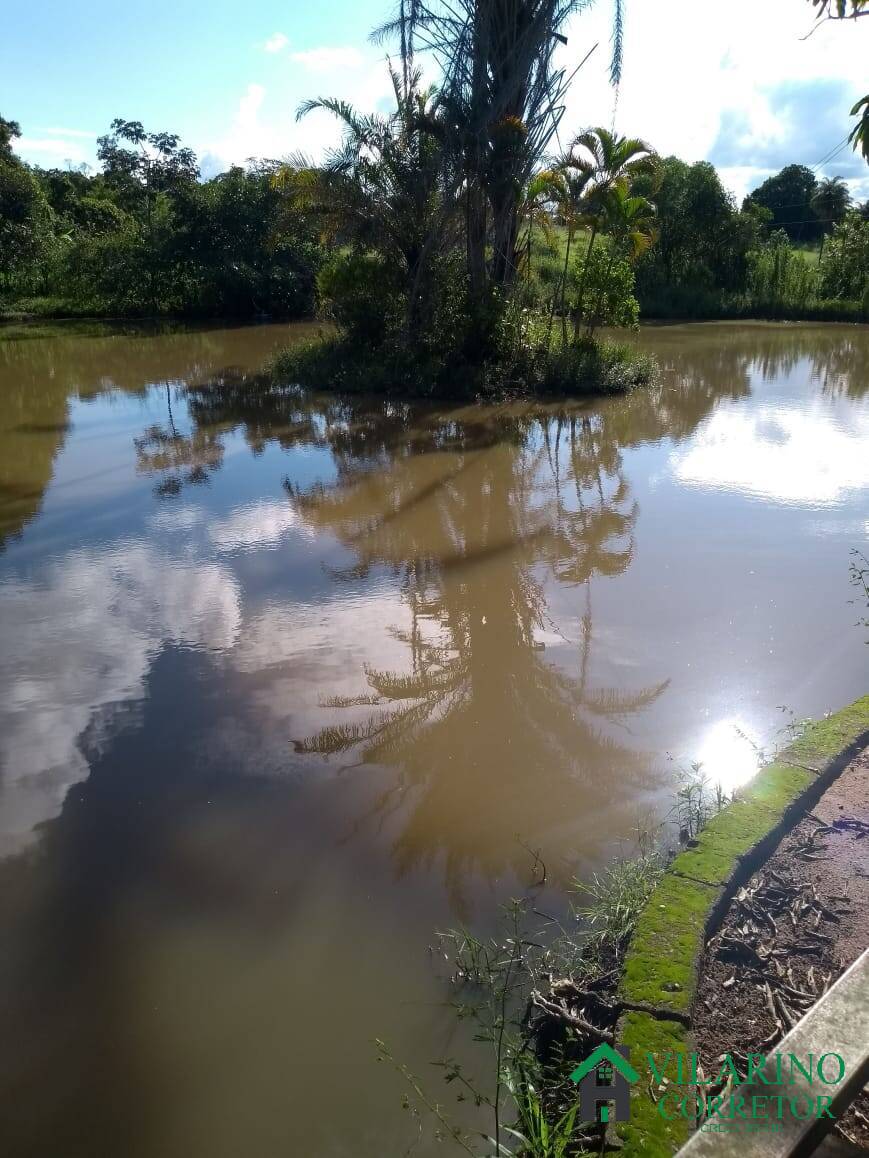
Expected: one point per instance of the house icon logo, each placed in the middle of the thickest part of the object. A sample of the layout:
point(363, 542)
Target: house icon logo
point(605, 1077)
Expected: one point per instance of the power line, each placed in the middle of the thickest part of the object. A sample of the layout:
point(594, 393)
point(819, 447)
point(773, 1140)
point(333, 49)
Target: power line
point(834, 152)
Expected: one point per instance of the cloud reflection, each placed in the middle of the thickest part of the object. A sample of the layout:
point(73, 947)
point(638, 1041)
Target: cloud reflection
point(254, 527)
point(790, 455)
point(77, 646)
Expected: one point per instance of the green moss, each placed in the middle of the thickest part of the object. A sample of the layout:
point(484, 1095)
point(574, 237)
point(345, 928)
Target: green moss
point(736, 830)
point(660, 963)
point(708, 862)
point(648, 1132)
point(823, 740)
point(776, 787)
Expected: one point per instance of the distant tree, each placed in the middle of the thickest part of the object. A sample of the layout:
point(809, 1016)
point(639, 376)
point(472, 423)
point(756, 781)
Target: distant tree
point(9, 130)
point(64, 188)
point(133, 159)
point(140, 167)
point(788, 195)
point(240, 249)
point(844, 267)
point(831, 201)
point(25, 216)
point(701, 239)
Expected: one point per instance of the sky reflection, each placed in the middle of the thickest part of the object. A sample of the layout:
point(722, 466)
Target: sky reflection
point(800, 456)
point(78, 645)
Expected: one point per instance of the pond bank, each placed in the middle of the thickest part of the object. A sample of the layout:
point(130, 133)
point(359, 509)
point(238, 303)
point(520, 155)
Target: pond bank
point(663, 967)
point(800, 921)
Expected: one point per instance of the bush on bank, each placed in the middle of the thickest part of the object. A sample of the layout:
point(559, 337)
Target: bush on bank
point(590, 367)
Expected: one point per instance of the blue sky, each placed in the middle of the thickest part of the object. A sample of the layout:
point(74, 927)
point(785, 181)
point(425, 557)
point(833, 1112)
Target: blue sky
point(735, 83)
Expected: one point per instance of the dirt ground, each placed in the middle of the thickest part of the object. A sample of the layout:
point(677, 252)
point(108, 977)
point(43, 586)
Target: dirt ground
point(795, 927)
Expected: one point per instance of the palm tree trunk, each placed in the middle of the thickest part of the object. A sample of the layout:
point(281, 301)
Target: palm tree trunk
point(581, 294)
point(555, 296)
point(476, 228)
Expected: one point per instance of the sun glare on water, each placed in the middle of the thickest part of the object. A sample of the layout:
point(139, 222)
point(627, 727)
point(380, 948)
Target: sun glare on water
point(728, 755)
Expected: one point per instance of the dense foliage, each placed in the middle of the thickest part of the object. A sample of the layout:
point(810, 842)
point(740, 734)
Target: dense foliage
point(430, 211)
point(147, 236)
point(442, 236)
point(712, 260)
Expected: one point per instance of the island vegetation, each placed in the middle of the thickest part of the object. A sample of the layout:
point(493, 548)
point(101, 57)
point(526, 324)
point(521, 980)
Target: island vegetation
point(447, 239)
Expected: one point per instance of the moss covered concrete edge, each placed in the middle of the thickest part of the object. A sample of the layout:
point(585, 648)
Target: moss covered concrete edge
point(661, 966)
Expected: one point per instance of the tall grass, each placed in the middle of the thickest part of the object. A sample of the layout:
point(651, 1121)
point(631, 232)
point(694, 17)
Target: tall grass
point(783, 284)
point(779, 274)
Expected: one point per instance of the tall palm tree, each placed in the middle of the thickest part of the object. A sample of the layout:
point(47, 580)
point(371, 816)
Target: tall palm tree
point(630, 223)
point(831, 200)
point(503, 95)
point(610, 160)
point(386, 187)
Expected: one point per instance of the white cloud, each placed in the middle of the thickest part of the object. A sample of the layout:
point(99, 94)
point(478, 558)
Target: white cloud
point(266, 126)
point(69, 132)
point(692, 71)
point(329, 59)
point(276, 42)
point(246, 136)
point(249, 106)
point(50, 148)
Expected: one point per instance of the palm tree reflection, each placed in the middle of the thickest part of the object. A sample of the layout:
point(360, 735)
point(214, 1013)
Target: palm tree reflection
point(177, 458)
point(493, 735)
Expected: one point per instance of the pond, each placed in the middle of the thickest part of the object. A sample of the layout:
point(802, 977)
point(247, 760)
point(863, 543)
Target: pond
point(288, 683)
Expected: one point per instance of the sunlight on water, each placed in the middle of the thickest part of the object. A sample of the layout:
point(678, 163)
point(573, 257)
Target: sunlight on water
point(728, 755)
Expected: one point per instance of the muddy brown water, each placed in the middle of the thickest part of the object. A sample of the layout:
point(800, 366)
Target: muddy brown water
point(288, 683)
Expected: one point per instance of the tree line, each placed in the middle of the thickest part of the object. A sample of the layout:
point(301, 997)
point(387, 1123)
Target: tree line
point(145, 235)
point(445, 236)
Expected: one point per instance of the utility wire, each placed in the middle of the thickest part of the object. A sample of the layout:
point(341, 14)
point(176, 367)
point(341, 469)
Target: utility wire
point(834, 152)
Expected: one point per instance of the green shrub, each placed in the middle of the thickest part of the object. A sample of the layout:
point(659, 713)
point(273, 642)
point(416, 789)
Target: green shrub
point(605, 291)
point(778, 273)
point(359, 292)
point(844, 266)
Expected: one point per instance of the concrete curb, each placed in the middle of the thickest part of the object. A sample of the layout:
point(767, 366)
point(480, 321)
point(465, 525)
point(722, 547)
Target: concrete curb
point(661, 967)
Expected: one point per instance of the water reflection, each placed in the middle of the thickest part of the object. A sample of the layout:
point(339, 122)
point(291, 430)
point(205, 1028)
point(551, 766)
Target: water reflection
point(43, 368)
point(789, 454)
point(77, 649)
point(484, 718)
point(177, 458)
point(259, 738)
